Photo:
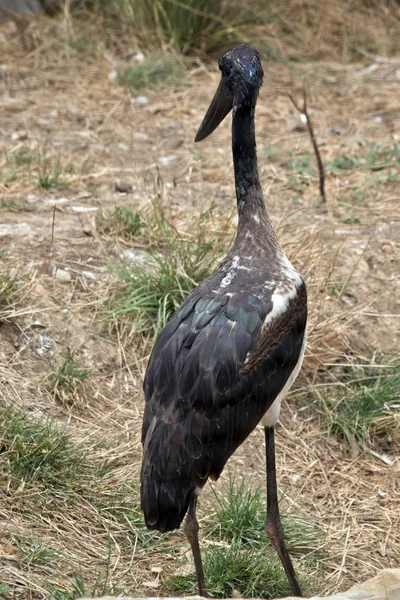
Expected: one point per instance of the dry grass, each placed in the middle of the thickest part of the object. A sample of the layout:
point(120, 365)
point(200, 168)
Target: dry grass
point(281, 30)
point(64, 121)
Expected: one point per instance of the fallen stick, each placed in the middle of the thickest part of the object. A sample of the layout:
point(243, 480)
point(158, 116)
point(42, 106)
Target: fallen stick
point(305, 117)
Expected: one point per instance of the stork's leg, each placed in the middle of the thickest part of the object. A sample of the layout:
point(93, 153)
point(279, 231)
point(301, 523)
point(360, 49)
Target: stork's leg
point(191, 529)
point(273, 525)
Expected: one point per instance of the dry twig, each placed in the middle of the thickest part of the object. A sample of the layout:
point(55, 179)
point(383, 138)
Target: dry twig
point(305, 116)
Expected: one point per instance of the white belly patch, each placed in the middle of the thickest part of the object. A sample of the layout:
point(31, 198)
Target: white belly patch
point(271, 417)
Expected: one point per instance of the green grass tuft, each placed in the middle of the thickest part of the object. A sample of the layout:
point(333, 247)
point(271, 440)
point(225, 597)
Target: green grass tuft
point(59, 476)
point(154, 71)
point(66, 378)
point(122, 506)
point(25, 156)
point(235, 567)
point(8, 290)
point(49, 175)
point(364, 409)
point(13, 205)
point(149, 292)
point(4, 589)
point(381, 157)
point(185, 26)
point(122, 221)
point(79, 589)
point(240, 514)
point(343, 163)
point(238, 554)
point(376, 158)
point(303, 166)
point(37, 552)
point(36, 451)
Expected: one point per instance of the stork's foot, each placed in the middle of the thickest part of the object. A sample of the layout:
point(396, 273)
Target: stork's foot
point(191, 529)
point(274, 530)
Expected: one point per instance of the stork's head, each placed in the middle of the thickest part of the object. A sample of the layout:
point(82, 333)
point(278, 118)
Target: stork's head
point(241, 79)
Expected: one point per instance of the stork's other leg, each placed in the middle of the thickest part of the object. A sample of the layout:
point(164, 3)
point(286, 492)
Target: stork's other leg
point(273, 525)
point(191, 529)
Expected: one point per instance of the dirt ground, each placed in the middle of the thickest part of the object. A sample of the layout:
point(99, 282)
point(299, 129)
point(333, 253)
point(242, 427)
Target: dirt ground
point(98, 133)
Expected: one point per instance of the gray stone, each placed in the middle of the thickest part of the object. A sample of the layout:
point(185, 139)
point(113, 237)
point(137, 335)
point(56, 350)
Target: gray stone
point(62, 274)
point(15, 229)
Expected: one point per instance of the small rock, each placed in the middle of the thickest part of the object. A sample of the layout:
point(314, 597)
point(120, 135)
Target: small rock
point(165, 160)
point(36, 324)
point(19, 135)
point(382, 549)
point(122, 186)
point(87, 135)
point(387, 249)
point(156, 569)
point(142, 100)
point(88, 231)
point(295, 478)
point(152, 584)
point(336, 131)
point(138, 256)
point(84, 209)
point(16, 229)
point(62, 274)
point(347, 301)
point(367, 70)
point(89, 275)
point(13, 104)
point(140, 136)
point(43, 345)
point(118, 360)
point(53, 201)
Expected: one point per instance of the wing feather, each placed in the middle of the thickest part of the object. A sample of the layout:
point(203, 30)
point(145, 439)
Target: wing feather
point(213, 373)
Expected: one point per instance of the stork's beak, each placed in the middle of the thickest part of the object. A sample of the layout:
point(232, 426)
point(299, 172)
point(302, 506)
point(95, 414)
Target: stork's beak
point(220, 105)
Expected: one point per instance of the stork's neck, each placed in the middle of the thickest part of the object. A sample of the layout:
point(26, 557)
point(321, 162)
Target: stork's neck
point(253, 216)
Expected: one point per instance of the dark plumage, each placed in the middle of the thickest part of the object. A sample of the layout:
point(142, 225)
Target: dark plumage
point(234, 344)
point(203, 399)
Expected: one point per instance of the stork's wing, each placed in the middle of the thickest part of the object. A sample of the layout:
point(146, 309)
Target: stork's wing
point(214, 371)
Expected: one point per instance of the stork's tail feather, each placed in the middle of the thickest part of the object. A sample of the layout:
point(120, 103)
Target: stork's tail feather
point(165, 504)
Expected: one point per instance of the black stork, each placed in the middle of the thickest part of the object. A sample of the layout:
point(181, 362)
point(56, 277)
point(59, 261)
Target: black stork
point(230, 353)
